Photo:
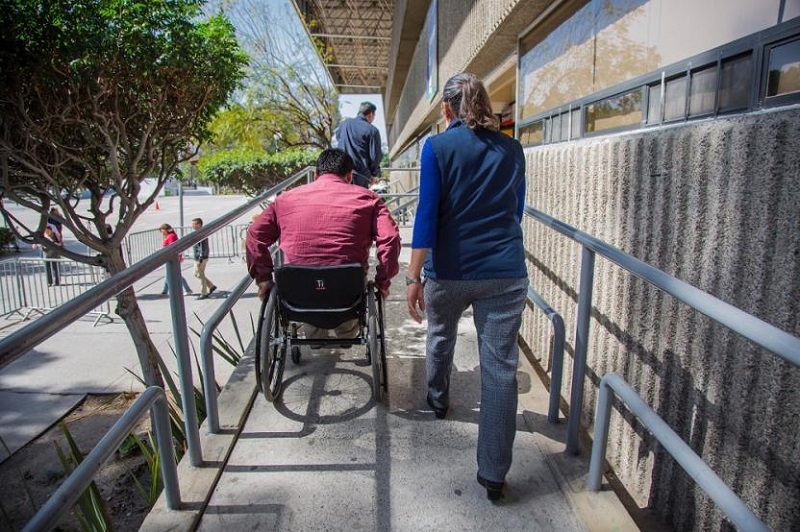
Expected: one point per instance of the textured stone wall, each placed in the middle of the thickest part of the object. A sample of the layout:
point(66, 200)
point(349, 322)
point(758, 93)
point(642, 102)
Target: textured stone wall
point(716, 204)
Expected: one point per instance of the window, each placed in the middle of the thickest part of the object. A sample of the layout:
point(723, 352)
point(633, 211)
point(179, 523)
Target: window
point(703, 91)
point(784, 69)
point(576, 124)
point(654, 104)
point(556, 135)
point(675, 99)
point(735, 81)
point(531, 134)
point(619, 111)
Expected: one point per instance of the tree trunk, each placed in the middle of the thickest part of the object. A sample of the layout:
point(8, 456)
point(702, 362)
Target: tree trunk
point(128, 309)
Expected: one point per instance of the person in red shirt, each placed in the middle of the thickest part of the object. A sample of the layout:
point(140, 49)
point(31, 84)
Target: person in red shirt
point(325, 223)
point(169, 238)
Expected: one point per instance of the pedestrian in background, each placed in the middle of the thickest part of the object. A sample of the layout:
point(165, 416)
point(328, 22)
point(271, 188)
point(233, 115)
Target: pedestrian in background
point(467, 235)
point(169, 238)
point(51, 255)
point(200, 261)
point(362, 142)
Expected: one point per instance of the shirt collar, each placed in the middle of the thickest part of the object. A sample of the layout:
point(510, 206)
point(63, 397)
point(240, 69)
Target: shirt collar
point(330, 177)
point(456, 122)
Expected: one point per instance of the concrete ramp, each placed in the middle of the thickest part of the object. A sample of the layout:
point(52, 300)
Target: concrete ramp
point(326, 457)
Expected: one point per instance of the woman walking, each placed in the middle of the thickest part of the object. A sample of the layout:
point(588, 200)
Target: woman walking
point(468, 241)
point(169, 237)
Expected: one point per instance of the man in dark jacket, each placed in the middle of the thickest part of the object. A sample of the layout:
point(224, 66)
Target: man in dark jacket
point(362, 142)
point(200, 261)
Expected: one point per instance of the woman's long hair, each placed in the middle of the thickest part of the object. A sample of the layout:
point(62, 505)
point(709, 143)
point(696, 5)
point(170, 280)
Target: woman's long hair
point(469, 100)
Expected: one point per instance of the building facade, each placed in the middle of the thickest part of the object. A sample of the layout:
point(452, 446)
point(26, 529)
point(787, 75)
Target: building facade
point(670, 129)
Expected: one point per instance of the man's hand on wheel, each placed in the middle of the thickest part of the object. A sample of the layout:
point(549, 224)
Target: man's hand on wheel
point(263, 289)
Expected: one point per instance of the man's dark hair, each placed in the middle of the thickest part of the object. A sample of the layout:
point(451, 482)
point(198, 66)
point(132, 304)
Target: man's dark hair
point(334, 161)
point(366, 108)
point(198, 220)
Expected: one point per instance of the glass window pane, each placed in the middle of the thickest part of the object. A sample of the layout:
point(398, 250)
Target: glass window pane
point(734, 83)
point(556, 121)
point(675, 99)
point(548, 130)
point(654, 104)
point(615, 112)
point(703, 91)
point(532, 133)
point(576, 123)
point(565, 126)
point(784, 69)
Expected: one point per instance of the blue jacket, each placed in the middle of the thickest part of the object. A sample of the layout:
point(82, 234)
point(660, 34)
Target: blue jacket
point(362, 141)
point(472, 194)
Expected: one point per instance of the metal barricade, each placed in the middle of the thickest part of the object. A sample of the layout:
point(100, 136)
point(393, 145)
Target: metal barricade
point(11, 295)
point(44, 284)
point(32, 286)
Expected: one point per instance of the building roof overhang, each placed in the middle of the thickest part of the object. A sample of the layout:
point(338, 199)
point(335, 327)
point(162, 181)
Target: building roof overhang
point(353, 39)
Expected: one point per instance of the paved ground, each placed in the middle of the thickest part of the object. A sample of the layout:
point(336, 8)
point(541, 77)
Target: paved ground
point(325, 457)
point(40, 387)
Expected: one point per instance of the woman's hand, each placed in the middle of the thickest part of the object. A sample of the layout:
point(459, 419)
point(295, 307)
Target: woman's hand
point(416, 301)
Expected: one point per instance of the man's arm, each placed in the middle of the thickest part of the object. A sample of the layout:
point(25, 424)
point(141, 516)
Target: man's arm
point(260, 236)
point(387, 238)
point(375, 153)
point(204, 249)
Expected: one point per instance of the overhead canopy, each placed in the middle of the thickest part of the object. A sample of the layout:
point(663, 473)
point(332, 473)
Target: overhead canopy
point(354, 38)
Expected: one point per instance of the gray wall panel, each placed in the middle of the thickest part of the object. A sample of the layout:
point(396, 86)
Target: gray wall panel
point(716, 204)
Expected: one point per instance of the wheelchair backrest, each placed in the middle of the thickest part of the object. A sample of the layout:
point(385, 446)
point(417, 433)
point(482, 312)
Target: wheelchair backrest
point(324, 296)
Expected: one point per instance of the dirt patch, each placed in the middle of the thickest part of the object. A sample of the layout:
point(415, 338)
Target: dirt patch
point(33, 473)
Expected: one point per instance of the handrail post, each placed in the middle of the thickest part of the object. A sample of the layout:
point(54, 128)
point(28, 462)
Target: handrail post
point(180, 336)
point(731, 505)
point(601, 420)
point(581, 348)
point(169, 470)
point(557, 353)
point(70, 490)
point(207, 352)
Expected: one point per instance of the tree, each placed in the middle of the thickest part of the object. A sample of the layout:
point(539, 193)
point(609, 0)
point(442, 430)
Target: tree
point(288, 101)
point(97, 95)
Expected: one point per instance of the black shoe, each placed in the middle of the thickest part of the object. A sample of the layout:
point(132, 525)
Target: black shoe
point(203, 296)
point(439, 412)
point(494, 490)
point(211, 290)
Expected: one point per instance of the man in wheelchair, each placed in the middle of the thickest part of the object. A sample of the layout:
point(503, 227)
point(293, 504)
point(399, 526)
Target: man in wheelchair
point(328, 222)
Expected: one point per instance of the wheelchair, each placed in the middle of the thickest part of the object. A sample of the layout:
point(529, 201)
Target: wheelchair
point(324, 297)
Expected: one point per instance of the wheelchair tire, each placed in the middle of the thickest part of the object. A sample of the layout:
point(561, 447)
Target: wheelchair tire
point(271, 355)
point(372, 346)
point(295, 355)
point(382, 347)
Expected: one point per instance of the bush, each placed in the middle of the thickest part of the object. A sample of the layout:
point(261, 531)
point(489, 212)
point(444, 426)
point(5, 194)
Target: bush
point(253, 171)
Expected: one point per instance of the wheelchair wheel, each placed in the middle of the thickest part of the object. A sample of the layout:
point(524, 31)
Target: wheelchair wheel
point(270, 350)
point(382, 346)
point(372, 346)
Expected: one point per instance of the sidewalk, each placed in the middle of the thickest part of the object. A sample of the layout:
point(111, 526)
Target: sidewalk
point(40, 387)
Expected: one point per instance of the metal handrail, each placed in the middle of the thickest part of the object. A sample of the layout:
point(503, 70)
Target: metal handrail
point(207, 352)
point(40, 330)
point(762, 333)
point(557, 355)
point(69, 492)
point(736, 510)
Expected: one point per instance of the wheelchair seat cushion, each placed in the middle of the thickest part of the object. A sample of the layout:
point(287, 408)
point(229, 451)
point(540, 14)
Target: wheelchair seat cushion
point(322, 296)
